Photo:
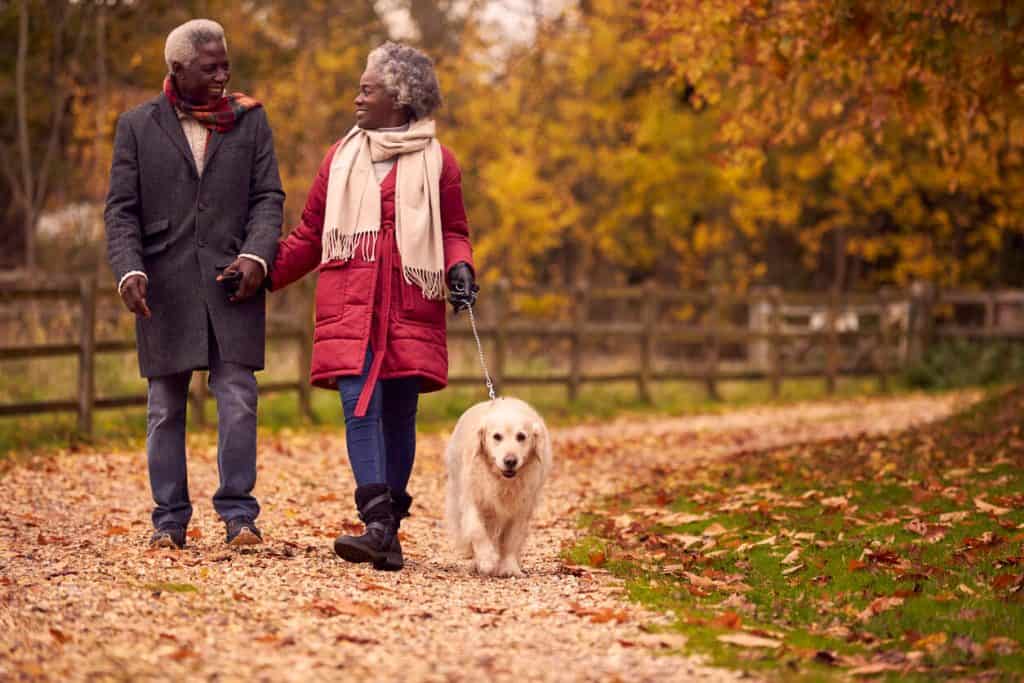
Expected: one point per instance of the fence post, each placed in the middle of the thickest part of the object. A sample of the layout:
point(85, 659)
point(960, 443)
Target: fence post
point(712, 352)
point(501, 293)
point(197, 397)
point(650, 321)
point(775, 327)
point(580, 312)
point(832, 341)
point(882, 356)
point(86, 354)
point(990, 311)
point(922, 300)
point(306, 329)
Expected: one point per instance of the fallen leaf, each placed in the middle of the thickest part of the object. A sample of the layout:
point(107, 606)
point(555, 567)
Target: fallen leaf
point(116, 531)
point(747, 640)
point(350, 607)
point(370, 586)
point(835, 503)
point(1001, 645)
point(877, 606)
point(730, 620)
point(359, 640)
point(487, 610)
point(671, 641)
point(873, 669)
point(681, 518)
point(685, 540)
point(714, 529)
point(954, 517)
point(931, 643)
point(793, 570)
point(983, 506)
point(59, 635)
point(791, 557)
point(195, 534)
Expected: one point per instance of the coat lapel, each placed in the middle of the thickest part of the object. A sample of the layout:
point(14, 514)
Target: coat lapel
point(212, 145)
point(167, 118)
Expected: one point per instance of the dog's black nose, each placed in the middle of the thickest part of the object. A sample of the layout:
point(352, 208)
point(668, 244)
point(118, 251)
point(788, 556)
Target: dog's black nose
point(510, 462)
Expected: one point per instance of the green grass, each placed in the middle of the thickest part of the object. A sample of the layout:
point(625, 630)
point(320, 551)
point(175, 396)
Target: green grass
point(957, 587)
point(126, 428)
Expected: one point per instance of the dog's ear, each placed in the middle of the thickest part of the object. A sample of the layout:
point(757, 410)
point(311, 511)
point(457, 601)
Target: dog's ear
point(482, 441)
point(536, 430)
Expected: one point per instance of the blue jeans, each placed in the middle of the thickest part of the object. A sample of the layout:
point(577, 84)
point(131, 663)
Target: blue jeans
point(234, 387)
point(382, 443)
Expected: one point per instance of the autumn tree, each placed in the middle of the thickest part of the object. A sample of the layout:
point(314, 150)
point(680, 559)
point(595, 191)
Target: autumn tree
point(890, 130)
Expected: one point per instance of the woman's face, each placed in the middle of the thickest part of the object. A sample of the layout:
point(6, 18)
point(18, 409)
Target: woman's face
point(375, 108)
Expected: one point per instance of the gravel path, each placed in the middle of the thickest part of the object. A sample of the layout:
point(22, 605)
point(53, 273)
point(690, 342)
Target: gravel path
point(81, 597)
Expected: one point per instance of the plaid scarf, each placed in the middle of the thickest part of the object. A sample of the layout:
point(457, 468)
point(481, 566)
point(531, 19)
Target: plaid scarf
point(221, 115)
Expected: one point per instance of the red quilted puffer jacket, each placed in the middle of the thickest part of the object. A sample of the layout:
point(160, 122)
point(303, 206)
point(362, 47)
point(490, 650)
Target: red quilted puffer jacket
point(361, 303)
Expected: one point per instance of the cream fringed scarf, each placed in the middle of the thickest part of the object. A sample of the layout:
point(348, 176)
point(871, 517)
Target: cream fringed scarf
point(352, 214)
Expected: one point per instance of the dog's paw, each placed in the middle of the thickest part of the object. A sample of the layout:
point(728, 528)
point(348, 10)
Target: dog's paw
point(486, 567)
point(509, 567)
point(464, 551)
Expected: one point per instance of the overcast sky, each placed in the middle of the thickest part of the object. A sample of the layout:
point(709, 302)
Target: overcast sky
point(513, 19)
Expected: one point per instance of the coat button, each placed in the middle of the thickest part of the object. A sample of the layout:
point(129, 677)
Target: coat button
point(200, 241)
point(202, 206)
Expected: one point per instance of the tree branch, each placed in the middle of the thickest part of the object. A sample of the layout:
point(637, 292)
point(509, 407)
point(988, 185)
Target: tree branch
point(60, 100)
point(24, 150)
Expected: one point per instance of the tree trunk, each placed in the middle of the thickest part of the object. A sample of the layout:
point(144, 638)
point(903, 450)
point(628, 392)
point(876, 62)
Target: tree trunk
point(24, 149)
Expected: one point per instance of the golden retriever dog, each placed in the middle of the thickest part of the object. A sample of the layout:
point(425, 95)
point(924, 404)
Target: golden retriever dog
point(498, 458)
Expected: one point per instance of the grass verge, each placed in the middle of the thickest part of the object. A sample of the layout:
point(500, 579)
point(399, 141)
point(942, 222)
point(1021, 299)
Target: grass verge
point(126, 428)
point(899, 556)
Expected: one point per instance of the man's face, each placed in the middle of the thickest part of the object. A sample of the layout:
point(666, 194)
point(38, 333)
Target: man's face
point(202, 81)
point(375, 108)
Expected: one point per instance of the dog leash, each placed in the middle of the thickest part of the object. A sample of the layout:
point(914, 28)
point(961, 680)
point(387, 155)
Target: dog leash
point(480, 350)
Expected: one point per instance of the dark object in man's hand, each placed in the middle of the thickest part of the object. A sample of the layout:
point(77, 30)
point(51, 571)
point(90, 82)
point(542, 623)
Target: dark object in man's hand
point(231, 280)
point(462, 287)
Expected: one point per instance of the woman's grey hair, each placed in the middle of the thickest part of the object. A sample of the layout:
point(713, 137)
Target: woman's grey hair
point(183, 43)
point(408, 76)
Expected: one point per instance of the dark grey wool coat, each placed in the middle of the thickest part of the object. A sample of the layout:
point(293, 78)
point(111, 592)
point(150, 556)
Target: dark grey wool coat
point(179, 229)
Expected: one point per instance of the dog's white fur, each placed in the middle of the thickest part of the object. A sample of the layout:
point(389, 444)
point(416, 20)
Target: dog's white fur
point(488, 513)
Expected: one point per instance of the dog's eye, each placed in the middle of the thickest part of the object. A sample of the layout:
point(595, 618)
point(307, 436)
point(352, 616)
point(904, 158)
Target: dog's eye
point(520, 437)
point(497, 437)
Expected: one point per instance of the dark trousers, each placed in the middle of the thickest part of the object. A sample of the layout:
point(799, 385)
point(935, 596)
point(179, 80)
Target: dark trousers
point(234, 388)
point(382, 443)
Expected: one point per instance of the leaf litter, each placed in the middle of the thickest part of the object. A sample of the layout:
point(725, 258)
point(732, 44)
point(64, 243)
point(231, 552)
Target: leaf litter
point(83, 598)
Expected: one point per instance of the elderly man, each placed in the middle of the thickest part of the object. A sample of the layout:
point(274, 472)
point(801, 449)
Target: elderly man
point(193, 217)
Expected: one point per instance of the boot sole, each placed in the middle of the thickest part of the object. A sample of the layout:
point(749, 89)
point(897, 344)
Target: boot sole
point(245, 537)
point(360, 555)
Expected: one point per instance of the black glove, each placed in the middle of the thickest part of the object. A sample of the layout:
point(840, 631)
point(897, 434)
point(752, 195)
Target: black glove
point(462, 288)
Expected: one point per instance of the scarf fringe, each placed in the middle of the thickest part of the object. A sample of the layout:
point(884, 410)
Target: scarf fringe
point(338, 246)
point(431, 282)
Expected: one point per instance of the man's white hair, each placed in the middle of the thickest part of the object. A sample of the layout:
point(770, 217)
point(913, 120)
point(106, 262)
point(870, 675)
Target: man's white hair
point(183, 43)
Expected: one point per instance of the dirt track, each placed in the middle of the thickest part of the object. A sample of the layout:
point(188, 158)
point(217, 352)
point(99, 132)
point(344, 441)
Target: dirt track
point(81, 597)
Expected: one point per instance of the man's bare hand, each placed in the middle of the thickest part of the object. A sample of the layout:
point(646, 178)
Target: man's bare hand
point(133, 293)
point(252, 278)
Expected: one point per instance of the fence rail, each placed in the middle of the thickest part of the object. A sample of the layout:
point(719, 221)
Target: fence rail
point(905, 325)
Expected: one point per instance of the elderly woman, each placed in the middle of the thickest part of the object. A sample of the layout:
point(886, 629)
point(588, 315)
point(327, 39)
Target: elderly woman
point(385, 223)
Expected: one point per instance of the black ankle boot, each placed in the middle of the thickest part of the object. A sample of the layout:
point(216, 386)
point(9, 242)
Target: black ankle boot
point(376, 544)
point(401, 502)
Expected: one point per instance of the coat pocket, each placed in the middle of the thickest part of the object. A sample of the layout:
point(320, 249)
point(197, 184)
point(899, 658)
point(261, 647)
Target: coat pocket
point(154, 237)
point(330, 292)
point(416, 308)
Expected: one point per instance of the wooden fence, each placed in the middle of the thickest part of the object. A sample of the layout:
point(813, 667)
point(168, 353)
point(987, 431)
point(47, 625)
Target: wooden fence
point(877, 333)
